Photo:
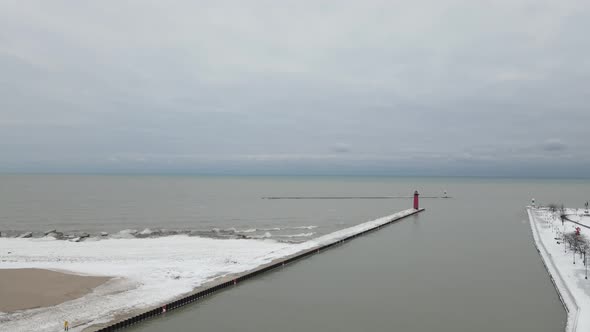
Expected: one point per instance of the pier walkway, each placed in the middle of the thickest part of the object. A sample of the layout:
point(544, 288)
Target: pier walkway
point(309, 248)
point(578, 222)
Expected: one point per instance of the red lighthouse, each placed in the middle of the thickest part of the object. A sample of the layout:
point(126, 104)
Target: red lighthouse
point(416, 203)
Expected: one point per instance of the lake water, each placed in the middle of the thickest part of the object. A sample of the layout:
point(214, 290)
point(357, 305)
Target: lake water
point(93, 204)
point(467, 263)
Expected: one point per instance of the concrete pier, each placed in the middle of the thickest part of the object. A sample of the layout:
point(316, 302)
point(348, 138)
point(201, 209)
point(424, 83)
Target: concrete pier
point(564, 278)
point(229, 281)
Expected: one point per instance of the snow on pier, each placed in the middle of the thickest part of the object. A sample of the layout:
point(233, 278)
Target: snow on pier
point(569, 278)
point(149, 272)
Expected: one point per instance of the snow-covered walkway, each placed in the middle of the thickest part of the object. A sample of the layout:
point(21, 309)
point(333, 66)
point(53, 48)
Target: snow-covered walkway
point(569, 278)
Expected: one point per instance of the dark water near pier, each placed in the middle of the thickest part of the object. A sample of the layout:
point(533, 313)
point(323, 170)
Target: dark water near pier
point(465, 264)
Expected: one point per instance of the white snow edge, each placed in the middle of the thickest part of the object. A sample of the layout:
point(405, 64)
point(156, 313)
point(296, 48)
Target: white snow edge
point(565, 294)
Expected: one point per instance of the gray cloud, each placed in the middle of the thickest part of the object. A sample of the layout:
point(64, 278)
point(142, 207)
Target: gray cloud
point(424, 86)
point(554, 145)
point(341, 148)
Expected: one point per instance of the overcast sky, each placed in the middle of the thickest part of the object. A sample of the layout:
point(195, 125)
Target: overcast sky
point(311, 87)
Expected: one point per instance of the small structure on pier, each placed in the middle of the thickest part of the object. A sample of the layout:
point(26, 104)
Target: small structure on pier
point(416, 200)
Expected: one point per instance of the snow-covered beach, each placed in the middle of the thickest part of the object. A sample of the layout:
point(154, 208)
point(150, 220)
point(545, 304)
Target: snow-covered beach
point(568, 278)
point(146, 272)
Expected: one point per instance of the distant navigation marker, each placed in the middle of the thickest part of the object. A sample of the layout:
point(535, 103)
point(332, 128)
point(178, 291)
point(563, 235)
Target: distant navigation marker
point(416, 202)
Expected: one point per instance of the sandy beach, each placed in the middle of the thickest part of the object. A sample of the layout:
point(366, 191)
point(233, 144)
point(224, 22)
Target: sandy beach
point(33, 288)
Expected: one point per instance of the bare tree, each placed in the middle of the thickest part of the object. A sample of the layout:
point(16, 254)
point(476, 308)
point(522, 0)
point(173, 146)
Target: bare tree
point(578, 243)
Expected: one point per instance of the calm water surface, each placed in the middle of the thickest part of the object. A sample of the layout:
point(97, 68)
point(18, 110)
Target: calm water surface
point(465, 264)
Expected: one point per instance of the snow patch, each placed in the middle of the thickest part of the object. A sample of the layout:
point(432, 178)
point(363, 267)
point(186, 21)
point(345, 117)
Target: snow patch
point(147, 271)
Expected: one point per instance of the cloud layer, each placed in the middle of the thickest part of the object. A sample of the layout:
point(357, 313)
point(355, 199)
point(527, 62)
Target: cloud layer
point(393, 87)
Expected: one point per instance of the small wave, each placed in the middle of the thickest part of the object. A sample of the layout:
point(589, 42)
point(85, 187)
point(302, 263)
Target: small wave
point(263, 236)
point(303, 227)
point(287, 228)
point(297, 235)
point(250, 230)
point(270, 229)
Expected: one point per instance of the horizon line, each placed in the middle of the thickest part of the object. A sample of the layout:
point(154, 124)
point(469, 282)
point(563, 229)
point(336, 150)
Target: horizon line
point(254, 174)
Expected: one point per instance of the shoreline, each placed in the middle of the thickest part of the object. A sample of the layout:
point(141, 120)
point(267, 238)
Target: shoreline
point(562, 274)
point(139, 264)
point(31, 288)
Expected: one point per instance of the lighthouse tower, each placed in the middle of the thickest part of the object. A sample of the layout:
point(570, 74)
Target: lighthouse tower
point(416, 201)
